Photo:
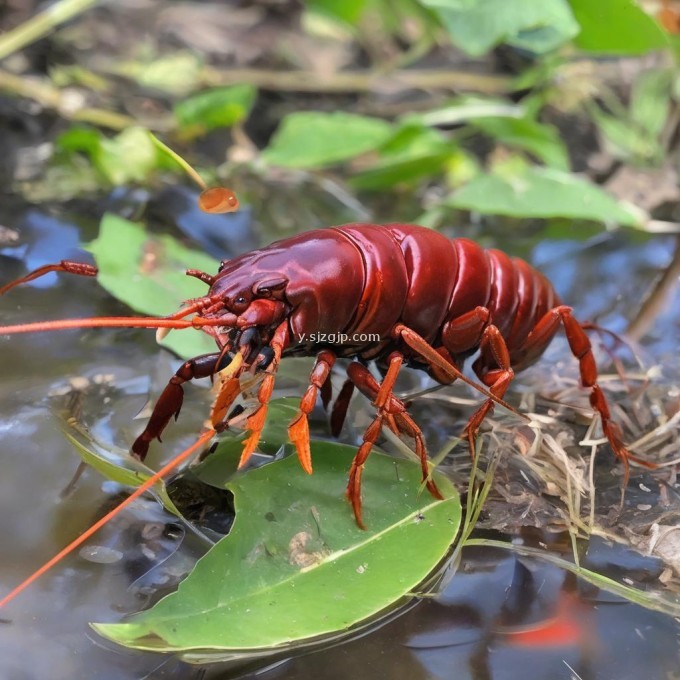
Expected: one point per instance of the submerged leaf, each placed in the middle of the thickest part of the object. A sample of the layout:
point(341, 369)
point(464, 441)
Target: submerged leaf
point(295, 565)
point(129, 472)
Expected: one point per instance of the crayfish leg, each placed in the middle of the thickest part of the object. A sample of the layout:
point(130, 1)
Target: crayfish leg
point(580, 347)
point(257, 419)
point(444, 368)
point(340, 406)
point(494, 370)
point(391, 411)
point(169, 403)
point(298, 430)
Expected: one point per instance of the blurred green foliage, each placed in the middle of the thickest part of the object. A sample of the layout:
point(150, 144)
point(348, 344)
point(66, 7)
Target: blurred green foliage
point(553, 43)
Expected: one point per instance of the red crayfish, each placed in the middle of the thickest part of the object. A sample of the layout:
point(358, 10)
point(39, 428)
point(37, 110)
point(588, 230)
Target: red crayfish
point(420, 298)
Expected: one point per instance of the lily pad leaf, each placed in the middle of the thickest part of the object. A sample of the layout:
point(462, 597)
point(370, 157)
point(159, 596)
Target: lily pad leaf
point(295, 565)
point(147, 273)
point(532, 191)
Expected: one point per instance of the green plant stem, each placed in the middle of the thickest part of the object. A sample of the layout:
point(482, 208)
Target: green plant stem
point(656, 300)
point(666, 602)
point(41, 24)
point(164, 148)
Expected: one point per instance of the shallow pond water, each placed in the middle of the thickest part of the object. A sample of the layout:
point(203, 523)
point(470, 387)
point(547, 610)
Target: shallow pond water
point(472, 629)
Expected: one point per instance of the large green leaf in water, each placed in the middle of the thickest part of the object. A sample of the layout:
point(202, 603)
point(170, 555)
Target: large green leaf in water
point(295, 565)
point(312, 139)
point(147, 273)
point(530, 191)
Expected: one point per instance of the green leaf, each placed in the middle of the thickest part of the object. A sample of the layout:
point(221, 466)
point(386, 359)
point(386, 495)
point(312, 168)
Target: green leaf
point(413, 152)
point(478, 25)
point(79, 138)
point(221, 107)
point(313, 139)
point(616, 27)
point(542, 192)
point(175, 73)
point(295, 565)
point(148, 274)
point(468, 108)
point(650, 99)
point(543, 141)
point(126, 470)
point(127, 157)
point(347, 11)
point(626, 140)
point(388, 173)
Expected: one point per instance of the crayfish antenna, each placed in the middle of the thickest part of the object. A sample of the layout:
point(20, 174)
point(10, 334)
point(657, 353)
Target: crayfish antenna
point(150, 482)
point(68, 266)
point(110, 322)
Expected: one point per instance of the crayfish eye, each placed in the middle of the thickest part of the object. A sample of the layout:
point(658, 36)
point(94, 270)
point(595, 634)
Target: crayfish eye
point(239, 304)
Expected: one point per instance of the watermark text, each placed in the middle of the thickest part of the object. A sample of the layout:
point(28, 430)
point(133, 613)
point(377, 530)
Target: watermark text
point(339, 338)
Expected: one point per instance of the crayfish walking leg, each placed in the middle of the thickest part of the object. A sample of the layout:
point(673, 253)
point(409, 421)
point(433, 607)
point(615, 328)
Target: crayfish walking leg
point(257, 419)
point(392, 412)
point(582, 349)
point(494, 352)
point(298, 430)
